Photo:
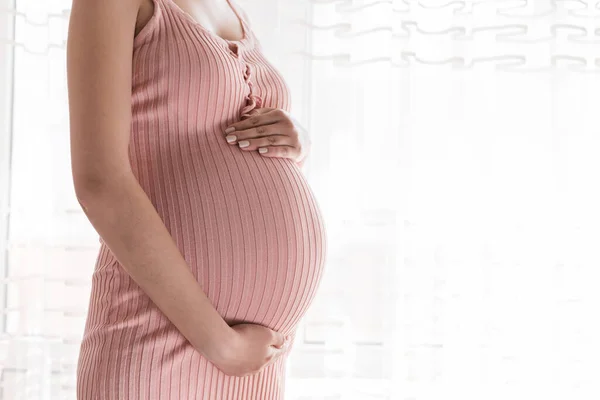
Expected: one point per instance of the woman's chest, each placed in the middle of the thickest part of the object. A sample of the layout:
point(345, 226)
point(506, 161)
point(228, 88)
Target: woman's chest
point(198, 73)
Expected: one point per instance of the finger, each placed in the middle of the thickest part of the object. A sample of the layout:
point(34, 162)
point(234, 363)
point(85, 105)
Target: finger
point(268, 361)
point(273, 140)
point(276, 353)
point(263, 110)
point(270, 116)
point(277, 128)
point(277, 339)
point(252, 133)
point(280, 151)
point(286, 343)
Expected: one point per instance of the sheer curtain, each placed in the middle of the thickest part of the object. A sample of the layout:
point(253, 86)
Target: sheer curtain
point(455, 157)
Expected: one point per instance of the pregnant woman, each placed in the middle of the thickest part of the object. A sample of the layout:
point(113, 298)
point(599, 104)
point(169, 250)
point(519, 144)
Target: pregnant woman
point(187, 163)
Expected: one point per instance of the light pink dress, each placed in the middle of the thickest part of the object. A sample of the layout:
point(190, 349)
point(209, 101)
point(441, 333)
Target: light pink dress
point(247, 225)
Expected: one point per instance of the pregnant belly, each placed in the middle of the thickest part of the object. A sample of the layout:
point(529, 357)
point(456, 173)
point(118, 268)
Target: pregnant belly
point(250, 229)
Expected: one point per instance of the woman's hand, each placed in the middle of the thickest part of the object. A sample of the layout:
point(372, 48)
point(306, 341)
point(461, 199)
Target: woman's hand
point(249, 350)
point(271, 131)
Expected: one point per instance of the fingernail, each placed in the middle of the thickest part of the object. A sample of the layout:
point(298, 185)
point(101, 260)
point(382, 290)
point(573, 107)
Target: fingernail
point(263, 150)
point(244, 143)
point(230, 129)
point(231, 138)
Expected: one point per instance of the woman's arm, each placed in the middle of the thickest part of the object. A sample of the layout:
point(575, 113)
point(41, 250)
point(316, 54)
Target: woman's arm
point(100, 44)
point(99, 65)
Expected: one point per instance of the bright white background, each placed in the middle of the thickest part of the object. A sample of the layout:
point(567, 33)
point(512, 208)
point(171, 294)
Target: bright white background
point(456, 156)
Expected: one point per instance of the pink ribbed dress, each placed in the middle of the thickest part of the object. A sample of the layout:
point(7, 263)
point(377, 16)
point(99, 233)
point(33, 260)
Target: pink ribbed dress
point(247, 225)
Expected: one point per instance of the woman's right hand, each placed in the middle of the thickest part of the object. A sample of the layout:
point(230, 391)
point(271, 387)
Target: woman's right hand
point(249, 349)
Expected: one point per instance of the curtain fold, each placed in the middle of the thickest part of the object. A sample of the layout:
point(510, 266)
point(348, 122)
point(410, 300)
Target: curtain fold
point(455, 158)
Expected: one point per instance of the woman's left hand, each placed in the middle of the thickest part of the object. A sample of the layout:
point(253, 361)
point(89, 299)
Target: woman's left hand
point(272, 132)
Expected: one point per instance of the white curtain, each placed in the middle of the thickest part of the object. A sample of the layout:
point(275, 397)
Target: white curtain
point(455, 156)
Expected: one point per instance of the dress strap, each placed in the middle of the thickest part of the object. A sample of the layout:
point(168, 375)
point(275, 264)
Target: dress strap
point(151, 25)
point(239, 13)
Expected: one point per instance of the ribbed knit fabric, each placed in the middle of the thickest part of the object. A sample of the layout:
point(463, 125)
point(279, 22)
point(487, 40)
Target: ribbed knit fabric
point(247, 225)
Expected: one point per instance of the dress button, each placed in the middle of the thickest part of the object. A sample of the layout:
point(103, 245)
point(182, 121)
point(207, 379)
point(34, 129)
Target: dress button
point(233, 49)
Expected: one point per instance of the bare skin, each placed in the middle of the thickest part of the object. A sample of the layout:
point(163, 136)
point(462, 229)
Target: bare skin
point(215, 15)
point(99, 49)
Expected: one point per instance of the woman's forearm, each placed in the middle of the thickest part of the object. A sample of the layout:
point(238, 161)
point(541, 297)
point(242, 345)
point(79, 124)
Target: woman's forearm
point(123, 215)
